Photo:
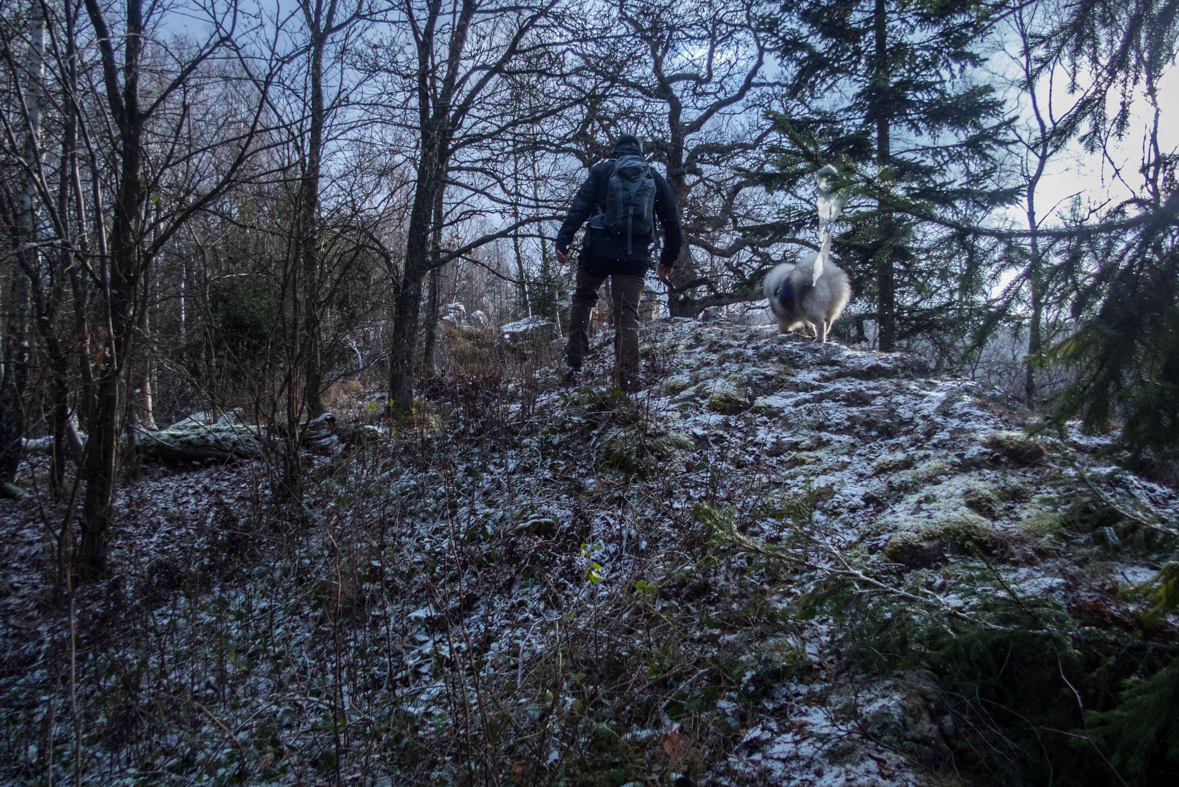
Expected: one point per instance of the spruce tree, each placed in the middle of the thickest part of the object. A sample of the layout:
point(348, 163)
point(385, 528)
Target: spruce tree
point(1124, 269)
point(883, 89)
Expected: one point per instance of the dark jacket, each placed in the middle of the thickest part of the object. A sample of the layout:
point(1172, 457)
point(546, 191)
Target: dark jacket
point(605, 252)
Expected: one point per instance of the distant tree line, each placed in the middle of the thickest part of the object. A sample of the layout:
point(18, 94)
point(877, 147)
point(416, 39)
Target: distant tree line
point(210, 205)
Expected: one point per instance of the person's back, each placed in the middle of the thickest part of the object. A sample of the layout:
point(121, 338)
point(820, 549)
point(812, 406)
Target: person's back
point(614, 199)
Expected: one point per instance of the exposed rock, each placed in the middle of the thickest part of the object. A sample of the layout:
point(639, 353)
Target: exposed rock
point(726, 398)
point(1016, 446)
point(524, 335)
point(453, 313)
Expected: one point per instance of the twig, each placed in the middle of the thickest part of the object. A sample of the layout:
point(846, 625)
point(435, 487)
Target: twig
point(978, 553)
point(232, 738)
point(1091, 743)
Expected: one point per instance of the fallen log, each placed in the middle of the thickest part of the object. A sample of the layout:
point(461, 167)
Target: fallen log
point(201, 438)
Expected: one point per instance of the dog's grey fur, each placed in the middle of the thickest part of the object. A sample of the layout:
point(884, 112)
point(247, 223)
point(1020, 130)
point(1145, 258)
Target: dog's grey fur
point(817, 305)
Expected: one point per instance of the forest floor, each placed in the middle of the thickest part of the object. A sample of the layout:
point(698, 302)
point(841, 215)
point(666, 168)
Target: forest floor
point(781, 563)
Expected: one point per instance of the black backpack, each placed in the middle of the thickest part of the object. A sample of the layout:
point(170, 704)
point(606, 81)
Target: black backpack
point(630, 201)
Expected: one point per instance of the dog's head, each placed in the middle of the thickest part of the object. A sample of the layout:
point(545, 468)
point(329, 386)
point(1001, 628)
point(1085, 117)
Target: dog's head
point(784, 291)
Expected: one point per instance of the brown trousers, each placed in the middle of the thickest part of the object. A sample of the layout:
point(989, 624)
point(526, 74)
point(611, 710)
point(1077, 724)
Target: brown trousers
point(625, 292)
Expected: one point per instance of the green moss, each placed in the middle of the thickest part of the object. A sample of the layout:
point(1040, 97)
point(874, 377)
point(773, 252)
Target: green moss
point(1041, 518)
point(930, 471)
point(984, 499)
point(725, 397)
point(958, 526)
point(1016, 446)
point(956, 511)
point(889, 463)
point(677, 385)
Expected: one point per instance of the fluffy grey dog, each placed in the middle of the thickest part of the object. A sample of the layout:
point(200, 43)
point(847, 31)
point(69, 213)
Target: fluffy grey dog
point(795, 301)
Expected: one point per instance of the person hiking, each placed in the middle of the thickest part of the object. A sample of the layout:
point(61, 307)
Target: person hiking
point(621, 198)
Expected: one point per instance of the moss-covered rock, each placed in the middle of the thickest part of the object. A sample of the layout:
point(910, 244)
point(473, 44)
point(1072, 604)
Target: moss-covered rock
point(727, 398)
point(1017, 446)
point(892, 462)
point(984, 499)
point(939, 519)
point(930, 471)
point(920, 541)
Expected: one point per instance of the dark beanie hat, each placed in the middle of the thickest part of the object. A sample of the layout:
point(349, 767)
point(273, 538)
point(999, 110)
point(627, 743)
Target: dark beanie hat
point(628, 138)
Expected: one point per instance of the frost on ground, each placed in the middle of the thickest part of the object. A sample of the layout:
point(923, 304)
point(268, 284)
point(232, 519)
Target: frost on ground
point(764, 569)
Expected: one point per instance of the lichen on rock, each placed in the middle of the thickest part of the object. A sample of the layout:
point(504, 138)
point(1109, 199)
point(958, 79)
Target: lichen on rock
point(932, 520)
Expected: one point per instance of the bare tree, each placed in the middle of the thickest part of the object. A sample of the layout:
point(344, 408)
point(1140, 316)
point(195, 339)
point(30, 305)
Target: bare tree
point(23, 133)
point(159, 184)
point(1048, 133)
point(689, 77)
point(459, 59)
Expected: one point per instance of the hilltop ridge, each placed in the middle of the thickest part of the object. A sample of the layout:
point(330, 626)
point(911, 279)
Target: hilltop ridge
point(781, 562)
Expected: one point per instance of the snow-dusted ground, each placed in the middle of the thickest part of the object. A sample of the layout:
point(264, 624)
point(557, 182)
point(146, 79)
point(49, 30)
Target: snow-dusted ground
point(560, 587)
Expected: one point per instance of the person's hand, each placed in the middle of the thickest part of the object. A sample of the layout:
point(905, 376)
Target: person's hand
point(562, 257)
point(664, 272)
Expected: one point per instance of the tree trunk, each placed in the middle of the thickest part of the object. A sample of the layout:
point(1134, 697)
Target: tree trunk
point(884, 258)
point(433, 312)
point(14, 370)
point(418, 258)
point(319, 21)
point(118, 299)
point(434, 306)
point(13, 377)
point(679, 304)
point(142, 371)
point(407, 305)
point(1036, 284)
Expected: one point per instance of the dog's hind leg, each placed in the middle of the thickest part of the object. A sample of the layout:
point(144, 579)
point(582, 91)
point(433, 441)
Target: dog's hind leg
point(821, 331)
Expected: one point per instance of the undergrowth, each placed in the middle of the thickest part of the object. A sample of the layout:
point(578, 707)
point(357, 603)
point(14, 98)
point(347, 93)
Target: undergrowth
point(1037, 696)
point(487, 596)
point(530, 585)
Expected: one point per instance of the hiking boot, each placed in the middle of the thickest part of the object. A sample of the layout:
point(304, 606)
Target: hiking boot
point(572, 377)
